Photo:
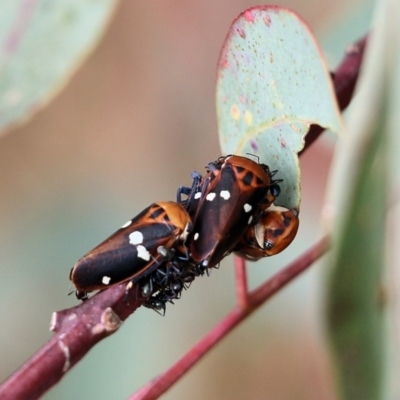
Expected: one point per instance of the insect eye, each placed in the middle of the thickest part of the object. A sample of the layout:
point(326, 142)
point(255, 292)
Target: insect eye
point(275, 190)
point(268, 245)
point(176, 287)
point(147, 289)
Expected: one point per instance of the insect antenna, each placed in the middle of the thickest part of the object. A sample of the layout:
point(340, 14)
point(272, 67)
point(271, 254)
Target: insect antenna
point(255, 156)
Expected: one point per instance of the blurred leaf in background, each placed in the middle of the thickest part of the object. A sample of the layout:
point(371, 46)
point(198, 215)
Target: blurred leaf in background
point(365, 175)
point(42, 43)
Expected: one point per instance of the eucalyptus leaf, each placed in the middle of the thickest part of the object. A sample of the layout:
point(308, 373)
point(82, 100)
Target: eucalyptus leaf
point(272, 85)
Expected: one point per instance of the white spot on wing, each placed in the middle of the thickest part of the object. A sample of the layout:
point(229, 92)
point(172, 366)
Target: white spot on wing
point(143, 253)
point(247, 207)
point(225, 194)
point(106, 280)
point(126, 225)
point(136, 238)
point(196, 236)
point(210, 196)
point(250, 219)
point(197, 195)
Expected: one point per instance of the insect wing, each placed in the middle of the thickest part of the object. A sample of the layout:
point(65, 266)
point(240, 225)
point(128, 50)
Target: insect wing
point(223, 215)
point(131, 252)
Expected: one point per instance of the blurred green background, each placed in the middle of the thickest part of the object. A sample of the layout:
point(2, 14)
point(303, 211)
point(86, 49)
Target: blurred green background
point(132, 124)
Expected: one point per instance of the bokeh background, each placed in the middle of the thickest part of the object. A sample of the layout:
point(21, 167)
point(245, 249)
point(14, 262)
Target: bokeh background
point(132, 124)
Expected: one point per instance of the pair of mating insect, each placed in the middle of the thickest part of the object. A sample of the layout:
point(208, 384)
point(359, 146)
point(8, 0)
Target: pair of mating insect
point(169, 244)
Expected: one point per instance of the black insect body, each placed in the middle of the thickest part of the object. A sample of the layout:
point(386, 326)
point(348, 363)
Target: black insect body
point(135, 251)
point(223, 205)
point(169, 280)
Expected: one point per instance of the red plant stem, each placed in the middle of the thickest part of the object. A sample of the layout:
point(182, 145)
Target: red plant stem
point(163, 382)
point(77, 329)
point(241, 281)
point(344, 83)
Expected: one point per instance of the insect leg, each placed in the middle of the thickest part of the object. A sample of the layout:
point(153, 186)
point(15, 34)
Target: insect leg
point(188, 191)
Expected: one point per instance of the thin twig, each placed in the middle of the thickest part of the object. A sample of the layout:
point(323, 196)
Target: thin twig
point(241, 282)
point(344, 83)
point(163, 382)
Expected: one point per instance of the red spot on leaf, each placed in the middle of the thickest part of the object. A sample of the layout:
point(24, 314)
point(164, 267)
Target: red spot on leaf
point(241, 32)
point(223, 61)
point(249, 16)
point(254, 145)
point(267, 20)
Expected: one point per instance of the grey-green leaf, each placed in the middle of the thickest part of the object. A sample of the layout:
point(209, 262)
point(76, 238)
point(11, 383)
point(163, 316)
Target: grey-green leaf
point(272, 85)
